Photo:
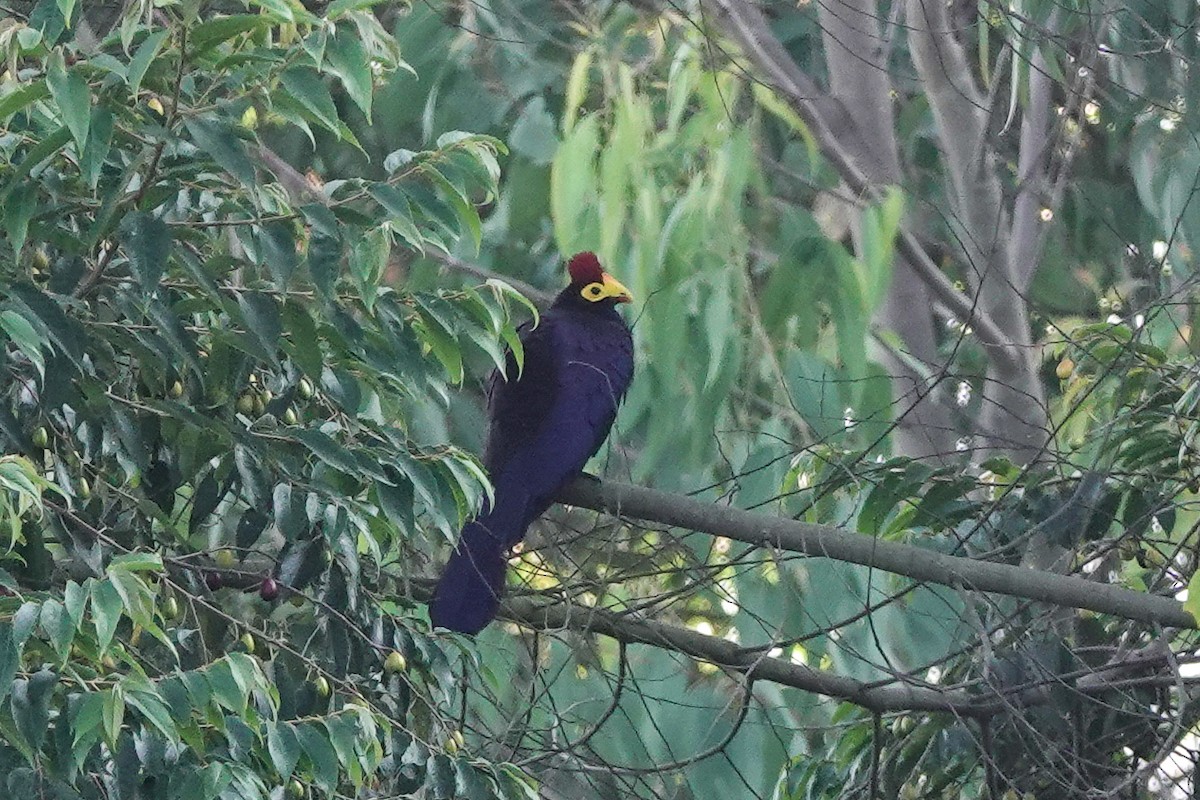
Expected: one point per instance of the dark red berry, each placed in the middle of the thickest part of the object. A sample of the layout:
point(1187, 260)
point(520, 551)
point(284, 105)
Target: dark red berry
point(213, 580)
point(268, 589)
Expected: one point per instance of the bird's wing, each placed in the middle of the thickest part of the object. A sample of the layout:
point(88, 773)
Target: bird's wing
point(518, 407)
point(615, 361)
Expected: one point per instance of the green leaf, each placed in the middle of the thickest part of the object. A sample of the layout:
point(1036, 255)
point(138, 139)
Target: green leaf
point(250, 527)
point(75, 598)
point(225, 688)
point(24, 621)
point(284, 747)
point(277, 245)
point(58, 627)
point(147, 241)
point(301, 563)
point(209, 34)
point(400, 220)
point(66, 334)
point(18, 211)
point(320, 754)
point(10, 657)
point(350, 62)
point(137, 562)
point(44, 149)
point(98, 148)
point(308, 89)
point(339, 8)
point(113, 713)
point(66, 8)
point(85, 727)
point(439, 779)
point(302, 344)
point(155, 710)
point(144, 57)
point(368, 260)
point(70, 93)
point(31, 705)
point(397, 503)
point(534, 135)
point(106, 612)
point(286, 11)
point(290, 515)
point(22, 97)
point(170, 327)
point(326, 449)
point(573, 188)
point(343, 731)
point(24, 337)
point(324, 262)
point(435, 329)
point(218, 139)
point(468, 217)
point(204, 501)
point(261, 313)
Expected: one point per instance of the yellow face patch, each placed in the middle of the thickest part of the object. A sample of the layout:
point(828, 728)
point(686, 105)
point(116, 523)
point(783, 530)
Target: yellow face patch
point(608, 287)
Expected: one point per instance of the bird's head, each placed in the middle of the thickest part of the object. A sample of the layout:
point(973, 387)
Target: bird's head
point(591, 286)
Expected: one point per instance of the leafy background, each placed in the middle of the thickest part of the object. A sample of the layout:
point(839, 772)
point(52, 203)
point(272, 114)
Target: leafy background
point(258, 258)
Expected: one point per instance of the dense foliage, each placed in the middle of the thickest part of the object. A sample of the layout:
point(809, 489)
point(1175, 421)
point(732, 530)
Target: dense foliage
point(214, 485)
point(250, 282)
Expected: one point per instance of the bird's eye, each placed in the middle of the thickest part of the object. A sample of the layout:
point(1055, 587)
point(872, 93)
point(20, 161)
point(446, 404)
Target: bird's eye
point(593, 291)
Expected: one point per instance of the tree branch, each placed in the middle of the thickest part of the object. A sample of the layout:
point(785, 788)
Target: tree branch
point(729, 655)
point(841, 142)
point(541, 298)
point(919, 563)
point(982, 700)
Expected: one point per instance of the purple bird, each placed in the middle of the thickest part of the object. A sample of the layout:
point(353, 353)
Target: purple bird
point(543, 426)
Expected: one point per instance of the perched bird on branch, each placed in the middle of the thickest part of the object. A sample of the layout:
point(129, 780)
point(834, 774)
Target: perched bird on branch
point(545, 421)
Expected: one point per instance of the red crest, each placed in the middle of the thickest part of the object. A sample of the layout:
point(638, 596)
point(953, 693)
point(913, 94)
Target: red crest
point(585, 268)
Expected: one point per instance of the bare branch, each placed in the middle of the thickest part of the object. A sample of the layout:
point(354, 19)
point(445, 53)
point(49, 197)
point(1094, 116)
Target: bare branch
point(914, 562)
point(984, 700)
point(842, 143)
point(727, 654)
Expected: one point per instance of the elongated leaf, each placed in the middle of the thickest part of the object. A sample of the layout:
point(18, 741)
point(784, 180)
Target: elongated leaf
point(284, 747)
point(204, 501)
point(10, 657)
point(214, 32)
point(321, 754)
point(278, 248)
point(22, 97)
point(57, 626)
point(217, 138)
point(106, 612)
point(350, 62)
point(308, 88)
point(24, 337)
point(70, 92)
point(31, 705)
point(329, 451)
point(18, 211)
point(66, 334)
point(113, 713)
point(262, 316)
point(144, 57)
point(147, 240)
point(155, 710)
point(250, 527)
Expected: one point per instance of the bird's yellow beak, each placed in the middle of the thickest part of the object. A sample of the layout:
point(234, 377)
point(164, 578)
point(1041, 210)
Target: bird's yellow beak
point(615, 289)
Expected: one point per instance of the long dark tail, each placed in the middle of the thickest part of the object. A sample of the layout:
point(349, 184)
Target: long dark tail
point(468, 593)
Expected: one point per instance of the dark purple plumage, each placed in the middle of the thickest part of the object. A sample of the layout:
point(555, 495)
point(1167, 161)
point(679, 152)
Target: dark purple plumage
point(543, 427)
